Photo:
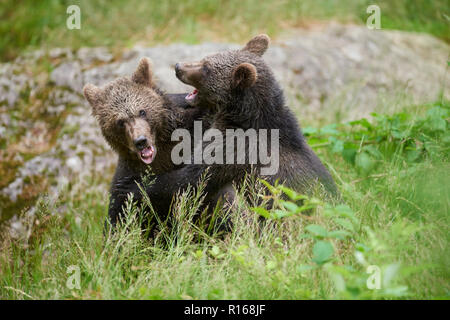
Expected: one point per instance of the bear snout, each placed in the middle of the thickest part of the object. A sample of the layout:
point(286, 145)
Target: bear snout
point(189, 73)
point(140, 143)
point(178, 71)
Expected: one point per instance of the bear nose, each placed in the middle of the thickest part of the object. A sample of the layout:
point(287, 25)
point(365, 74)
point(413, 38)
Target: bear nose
point(177, 69)
point(140, 142)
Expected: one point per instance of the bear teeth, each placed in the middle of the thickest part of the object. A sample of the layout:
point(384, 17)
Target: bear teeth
point(192, 95)
point(147, 155)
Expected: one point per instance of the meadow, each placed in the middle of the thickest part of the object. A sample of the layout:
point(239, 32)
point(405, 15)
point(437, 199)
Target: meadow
point(392, 170)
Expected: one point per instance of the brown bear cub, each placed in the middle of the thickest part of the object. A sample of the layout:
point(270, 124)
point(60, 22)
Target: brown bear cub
point(242, 90)
point(137, 121)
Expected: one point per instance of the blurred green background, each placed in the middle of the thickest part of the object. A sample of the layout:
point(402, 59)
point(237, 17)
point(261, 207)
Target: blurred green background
point(30, 24)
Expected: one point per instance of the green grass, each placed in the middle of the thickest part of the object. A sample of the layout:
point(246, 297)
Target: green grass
point(394, 215)
point(28, 24)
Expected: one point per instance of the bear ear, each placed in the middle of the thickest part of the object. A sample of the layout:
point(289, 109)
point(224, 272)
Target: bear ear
point(244, 76)
point(258, 45)
point(143, 74)
point(93, 94)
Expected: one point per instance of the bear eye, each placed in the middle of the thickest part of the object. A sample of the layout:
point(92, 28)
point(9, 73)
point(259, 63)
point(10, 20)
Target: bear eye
point(120, 123)
point(205, 68)
point(142, 113)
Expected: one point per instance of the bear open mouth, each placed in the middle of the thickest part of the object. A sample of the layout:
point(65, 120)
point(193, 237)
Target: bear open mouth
point(191, 96)
point(147, 155)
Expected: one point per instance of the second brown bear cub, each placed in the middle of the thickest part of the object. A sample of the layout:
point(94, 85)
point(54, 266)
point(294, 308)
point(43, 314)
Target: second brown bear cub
point(137, 121)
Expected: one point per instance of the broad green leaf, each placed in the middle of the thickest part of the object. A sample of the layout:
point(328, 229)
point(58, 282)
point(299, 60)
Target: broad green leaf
point(362, 247)
point(289, 206)
point(373, 151)
point(261, 211)
point(412, 155)
point(337, 145)
point(305, 267)
point(345, 223)
point(215, 252)
point(349, 153)
point(435, 120)
point(279, 214)
point(289, 192)
point(345, 211)
point(317, 230)
point(363, 122)
point(322, 252)
point(329, 130)
point(339, 234)
point(309, 130)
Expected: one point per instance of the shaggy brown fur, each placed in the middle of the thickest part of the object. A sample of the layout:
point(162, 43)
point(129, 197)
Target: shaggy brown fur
point(134, 115)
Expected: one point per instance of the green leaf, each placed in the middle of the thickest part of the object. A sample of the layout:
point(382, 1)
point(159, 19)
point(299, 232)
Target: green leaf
point(271, 188)
point(289, 206)
point(309, 131)
point(349, 153)
point(363, 122)
point(317, 230)
point(198, 254)
point(412, 155)
point(345, 223)
point(329, 130)
point(362, 247)
point(322, 252)
point(345, 211)
point(339, 234)
point(337, 145)
point(373, 151)
point(364, 163)
point(279, 214)
point(215, 252)
point(294, 196)
point(261, 211)
point(289, 192)
point(435, 120)
point(305, 267)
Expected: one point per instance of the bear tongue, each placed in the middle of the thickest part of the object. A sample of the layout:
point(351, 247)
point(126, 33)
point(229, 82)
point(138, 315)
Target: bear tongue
point(192, 95)
point(147, 155)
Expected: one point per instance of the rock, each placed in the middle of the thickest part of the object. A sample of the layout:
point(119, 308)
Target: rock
point(349, 70)
point(17, 230)
point(12, 83)
point(74, 164)
point(68, 74)
point(87, 56)
point(60, 53)
point(336, 69)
